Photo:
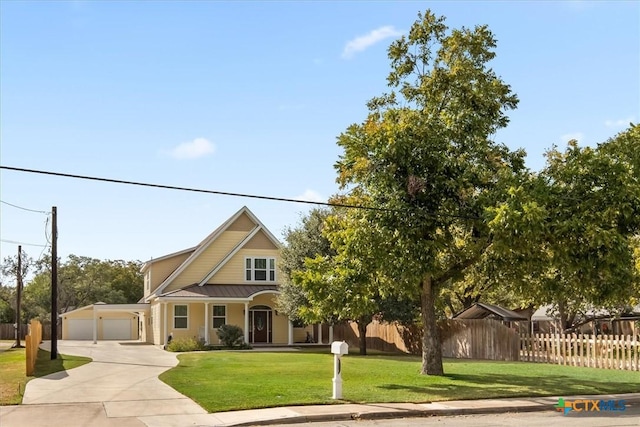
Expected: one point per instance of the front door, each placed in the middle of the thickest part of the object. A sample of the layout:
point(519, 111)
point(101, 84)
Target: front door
point(260, 325)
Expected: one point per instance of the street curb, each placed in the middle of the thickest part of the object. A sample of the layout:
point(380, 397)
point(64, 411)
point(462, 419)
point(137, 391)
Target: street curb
point(410, 413)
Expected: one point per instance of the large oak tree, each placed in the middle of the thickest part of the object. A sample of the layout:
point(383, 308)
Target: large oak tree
point(426, 163)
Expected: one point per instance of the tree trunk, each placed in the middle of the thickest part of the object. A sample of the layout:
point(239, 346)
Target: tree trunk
point(431, 347)
point(562, 313)
point(362, 332)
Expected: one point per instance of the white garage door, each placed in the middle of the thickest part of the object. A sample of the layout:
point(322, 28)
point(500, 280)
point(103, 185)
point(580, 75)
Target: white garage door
point(116, 329)
point(80, 329)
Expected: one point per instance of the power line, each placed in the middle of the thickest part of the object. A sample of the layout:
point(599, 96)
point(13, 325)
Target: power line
point(46, 227)
point(22, 243)
point(24, 209)
point(173, 187)
point(224, 193)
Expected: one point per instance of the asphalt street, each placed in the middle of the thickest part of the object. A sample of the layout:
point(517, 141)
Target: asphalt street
point(629, 417)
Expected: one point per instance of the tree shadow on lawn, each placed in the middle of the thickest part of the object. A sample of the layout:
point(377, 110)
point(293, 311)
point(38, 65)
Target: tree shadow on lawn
point(395, 357)
point(467, 386)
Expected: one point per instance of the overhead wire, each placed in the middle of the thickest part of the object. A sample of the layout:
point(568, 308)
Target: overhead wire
point(46, 224)
point(15, 242)
point(225, 193)
point(23, 208)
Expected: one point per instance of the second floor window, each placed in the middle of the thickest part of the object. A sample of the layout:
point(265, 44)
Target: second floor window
point(260, 269)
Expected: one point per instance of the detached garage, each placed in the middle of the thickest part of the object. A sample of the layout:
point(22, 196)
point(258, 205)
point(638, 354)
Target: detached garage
point(78, 329)
point(102, 321)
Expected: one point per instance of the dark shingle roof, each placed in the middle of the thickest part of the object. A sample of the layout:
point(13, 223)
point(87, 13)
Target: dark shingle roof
point(481, 310)
point(219, 291)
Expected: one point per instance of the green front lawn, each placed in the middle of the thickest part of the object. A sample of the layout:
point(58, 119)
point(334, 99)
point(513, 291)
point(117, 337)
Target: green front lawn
point(13, 368)
point(223, 381)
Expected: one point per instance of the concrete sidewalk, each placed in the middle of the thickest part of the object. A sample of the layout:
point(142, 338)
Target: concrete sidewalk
point(94, 414)
point(318, 413)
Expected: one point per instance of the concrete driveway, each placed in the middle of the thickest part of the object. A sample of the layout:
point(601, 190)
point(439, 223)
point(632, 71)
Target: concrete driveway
point(120, 385)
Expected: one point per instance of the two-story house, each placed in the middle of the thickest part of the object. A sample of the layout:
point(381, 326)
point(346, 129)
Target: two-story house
point(231, 277)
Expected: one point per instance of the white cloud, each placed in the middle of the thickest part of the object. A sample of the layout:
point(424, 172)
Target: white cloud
point(619, 123)
point(579, 136)
point(197, 148)
point(361, 43)
point(311, 196)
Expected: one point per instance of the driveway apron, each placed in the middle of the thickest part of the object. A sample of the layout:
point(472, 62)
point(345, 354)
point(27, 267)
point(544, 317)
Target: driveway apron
point(123, 377)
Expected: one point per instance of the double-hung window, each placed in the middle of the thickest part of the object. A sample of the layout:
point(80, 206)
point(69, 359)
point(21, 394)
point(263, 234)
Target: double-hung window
point(260, 269)
point(219, 316)
point(180, 317)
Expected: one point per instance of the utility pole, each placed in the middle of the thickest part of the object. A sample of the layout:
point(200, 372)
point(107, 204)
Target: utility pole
point(54, 283)
point(18, 297)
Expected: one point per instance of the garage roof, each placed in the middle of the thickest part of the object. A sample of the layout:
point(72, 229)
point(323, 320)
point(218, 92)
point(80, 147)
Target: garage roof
point(101, 306)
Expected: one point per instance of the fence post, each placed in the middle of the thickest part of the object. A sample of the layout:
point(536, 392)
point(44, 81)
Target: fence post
point(617, 355)
point(636, 349)
point(627, 352)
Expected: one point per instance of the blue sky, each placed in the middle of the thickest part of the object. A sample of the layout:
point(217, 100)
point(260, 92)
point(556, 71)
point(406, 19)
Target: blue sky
point(249, 97)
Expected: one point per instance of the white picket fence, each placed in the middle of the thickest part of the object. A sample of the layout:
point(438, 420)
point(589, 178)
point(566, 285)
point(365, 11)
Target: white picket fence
point(601, 351)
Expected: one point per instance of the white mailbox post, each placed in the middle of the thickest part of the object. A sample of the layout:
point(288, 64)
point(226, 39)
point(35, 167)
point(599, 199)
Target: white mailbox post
point(338, 348)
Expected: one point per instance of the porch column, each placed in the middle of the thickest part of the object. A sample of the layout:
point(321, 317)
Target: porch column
point(319, 333)
point(290, 339)
point(95, 326)
point(330, 334)
point(246, 323)
point(164, 333)
point(206, 323)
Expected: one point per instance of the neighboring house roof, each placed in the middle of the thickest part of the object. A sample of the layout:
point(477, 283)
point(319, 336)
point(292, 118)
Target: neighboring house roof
point(208, 241)
point(481, 310)
point(541, 314)
point(220, 291)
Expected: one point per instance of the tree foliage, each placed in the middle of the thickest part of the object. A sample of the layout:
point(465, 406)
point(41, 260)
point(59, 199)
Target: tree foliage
point(303, 242)
point(322, 283)
point(575, 228)
point(83, 281)
point(8, 287)
point(425, 162)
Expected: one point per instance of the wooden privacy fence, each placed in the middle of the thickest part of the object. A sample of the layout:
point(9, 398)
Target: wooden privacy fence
point(492, 340)
point(7, 331)
point(32, 343)
point(478, 339)
point(381, 336)
point(601, 351)
point(465, 339)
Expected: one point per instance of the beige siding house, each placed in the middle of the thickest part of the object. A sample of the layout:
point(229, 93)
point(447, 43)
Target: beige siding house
point(231, 277)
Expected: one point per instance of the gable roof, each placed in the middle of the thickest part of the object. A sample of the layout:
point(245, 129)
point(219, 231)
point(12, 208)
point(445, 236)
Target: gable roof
point(209, 240)
point(162, 258)
point(480, 310)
